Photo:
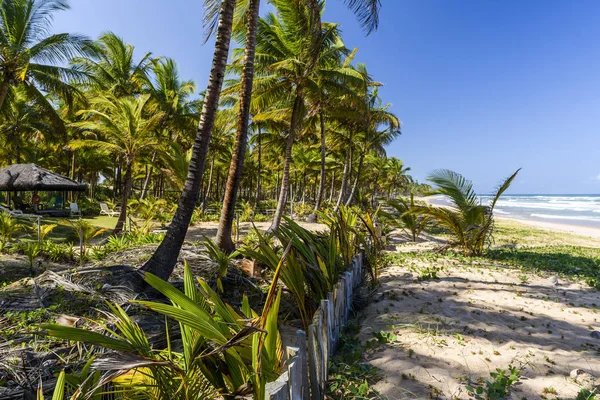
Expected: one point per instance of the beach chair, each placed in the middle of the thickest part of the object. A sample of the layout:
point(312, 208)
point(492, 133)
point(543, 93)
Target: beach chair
point(104, 210)
point(75, 212)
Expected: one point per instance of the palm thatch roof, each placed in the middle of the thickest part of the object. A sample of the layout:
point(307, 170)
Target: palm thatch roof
point(31, 177)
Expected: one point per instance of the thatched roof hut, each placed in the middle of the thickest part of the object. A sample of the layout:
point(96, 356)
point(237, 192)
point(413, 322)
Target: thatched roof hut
point(32, 178)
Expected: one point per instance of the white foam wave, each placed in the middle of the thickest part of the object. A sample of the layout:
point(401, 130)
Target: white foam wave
point(570, 217)
point(500, 211)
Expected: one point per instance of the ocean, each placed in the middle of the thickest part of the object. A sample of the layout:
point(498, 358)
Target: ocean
point(565, 209)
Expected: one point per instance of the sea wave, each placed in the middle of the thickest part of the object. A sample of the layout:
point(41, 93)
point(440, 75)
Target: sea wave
point(570, 217)
point(571, 206)
point(500, 211)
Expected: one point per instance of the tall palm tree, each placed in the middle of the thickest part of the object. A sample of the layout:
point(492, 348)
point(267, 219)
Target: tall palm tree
point(29, 57)
point(123, 128)
point(239, 150)
point(164, 258)
point(287, 59)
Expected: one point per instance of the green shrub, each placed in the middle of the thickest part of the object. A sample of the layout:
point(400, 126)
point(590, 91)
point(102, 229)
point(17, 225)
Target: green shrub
point(499, 387)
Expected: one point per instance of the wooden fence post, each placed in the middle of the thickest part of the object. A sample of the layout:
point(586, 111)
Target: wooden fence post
point(314, 363)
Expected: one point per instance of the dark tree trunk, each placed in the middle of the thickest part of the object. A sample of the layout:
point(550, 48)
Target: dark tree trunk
point(236, 165)
point(208, 186)
point(4, 90)
point(259, 167)
point(332, 186)
point(124, 197)
point(165, 257)
point(287, 160)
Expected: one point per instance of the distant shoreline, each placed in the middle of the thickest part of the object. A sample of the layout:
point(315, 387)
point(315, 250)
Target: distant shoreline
point(579, 230)
point(557, 227)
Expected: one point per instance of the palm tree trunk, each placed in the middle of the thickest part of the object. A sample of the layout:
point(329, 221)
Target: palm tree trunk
point(4, 91)
point(313, 216)
point(257, 201)
point(355, 185)
point(124, 197)
point(287, 160)
point(332, 186)
point(236, 165)
point(165, 257)
point(208, 186)
point(344, 178)
point(148, 175)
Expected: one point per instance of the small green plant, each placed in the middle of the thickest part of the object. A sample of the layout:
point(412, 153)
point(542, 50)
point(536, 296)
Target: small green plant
point(550, 390)
point(427, 273)
point(8, 229)
point(32, 251)
point(220, 257)
point(585, 394)
point(384, 337)
point(497, 388)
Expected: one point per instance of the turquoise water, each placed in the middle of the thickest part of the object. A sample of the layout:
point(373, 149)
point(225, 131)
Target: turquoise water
point(564, 209)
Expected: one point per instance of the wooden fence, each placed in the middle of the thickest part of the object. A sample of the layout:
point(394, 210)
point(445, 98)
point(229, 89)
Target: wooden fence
point(306, 375)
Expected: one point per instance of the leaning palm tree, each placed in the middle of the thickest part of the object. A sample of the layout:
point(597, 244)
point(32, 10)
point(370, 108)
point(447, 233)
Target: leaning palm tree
point(165, 257)
point(29, 56)
point(121, 127)
point(236, 166)
point(469, 221)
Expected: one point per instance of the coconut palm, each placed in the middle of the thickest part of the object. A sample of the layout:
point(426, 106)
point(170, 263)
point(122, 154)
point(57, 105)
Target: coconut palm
point(164, 258)
point(115, 69)
point(469, 221)
point(396, 174)
point(236, 166)
point(121, 127)
point(29, 56)
point(378, 127)
point(24, 126)
point(287, 61)
point(172, 97)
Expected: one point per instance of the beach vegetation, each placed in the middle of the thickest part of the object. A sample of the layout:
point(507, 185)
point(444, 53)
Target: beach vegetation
point(470, 223)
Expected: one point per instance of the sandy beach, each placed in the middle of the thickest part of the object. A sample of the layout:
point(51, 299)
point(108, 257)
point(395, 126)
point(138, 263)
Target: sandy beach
point(557, 227)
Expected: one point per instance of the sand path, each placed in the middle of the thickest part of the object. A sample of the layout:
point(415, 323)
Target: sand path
point(474, 320)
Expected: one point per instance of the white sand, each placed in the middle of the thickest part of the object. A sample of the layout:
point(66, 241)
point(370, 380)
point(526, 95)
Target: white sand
point(558, 227)
point(476, 319)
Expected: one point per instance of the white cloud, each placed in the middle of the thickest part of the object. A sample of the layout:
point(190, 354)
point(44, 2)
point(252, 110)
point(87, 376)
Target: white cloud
point(598, 177)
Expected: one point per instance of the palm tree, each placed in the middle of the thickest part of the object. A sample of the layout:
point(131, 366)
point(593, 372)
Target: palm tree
point(378, 127)
point(122, 128)
point(288, 58)
point(28, 57)
point(170, 96)
point(164, 258)
point(396, 174)
point(23, 127)
point(236, 166)
point(115, 69)
point(470, 222)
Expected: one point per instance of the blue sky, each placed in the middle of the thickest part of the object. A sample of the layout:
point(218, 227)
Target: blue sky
point(482, 87)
